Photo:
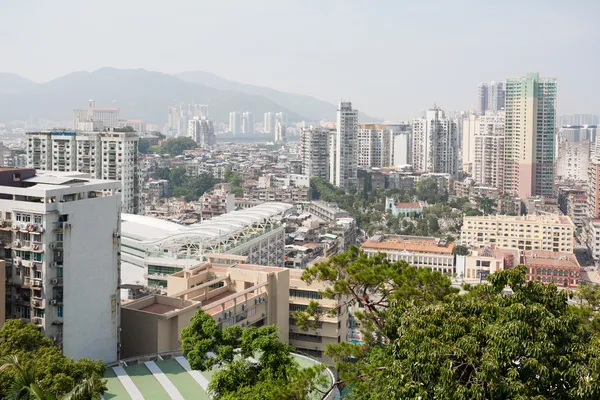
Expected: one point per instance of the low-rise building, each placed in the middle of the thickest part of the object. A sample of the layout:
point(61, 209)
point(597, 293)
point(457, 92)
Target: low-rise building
point(328, 212)
point(422, 252)
point(562, 269)
point(531, 232)
point(403, 209)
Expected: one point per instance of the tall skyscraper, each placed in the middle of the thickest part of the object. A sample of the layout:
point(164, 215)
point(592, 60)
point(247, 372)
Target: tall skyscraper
point(202, 131)
point(435, 143)
point(374, 145)
point(197, 110)
point(64, 251)
point(492, 123)
point(247, 123)
point(269, 123)
point(107, 116)
point(401, 143)
point(490, 97)
point(314, 151)
point(529, 136)
point(343, 152)
point(104, 155)
point(282, 117)
point(280, 133)
point(235, 123)
point(177, 121)
point(488, 159)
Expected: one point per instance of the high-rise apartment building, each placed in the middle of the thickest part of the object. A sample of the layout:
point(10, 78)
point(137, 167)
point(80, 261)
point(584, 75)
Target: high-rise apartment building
point(343, 156)
point(435, 143)
point(198, 110)
point(281, 117)
point(529, 136)
point(488, 162)
point(235, 123)
point(374, 145)
point(401, 143)
point(107, 116)
point(490, 97)
point(138, 125)
point(573, 161)
point(314, 146)
point(280, 132)
point(247, 123)
point(202, 131)
point(60, 236)
point(177, 121)
point(104, 155)
point(269, 123)
point(483, 147)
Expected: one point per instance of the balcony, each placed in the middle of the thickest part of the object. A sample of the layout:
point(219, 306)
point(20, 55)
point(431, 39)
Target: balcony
point(37, 321)
point(37, 303)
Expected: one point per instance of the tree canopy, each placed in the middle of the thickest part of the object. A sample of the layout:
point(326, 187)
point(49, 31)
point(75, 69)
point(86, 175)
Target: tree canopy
point(55, 374)
point(176, 147)
point(423, 340)
point(253, 362)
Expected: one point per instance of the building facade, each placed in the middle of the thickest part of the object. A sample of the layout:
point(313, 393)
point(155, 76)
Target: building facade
point(109, 155)
point(529, 136)
point(490, 97)
point(421, 252)
point(573, 161)
point(374, 145)
point(202, 131)
point(235, 122)
point(314, 146)
point(60, 236)
point(108, 117)
point(343, 154)
point(247, 123)
point(531, 232)
point(435, 143)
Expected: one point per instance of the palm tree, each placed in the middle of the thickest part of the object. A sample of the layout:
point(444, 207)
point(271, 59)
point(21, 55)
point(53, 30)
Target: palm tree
point(25, 386)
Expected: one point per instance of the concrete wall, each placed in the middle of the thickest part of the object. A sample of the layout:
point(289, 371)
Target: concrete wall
point(139, 333)
point(91, 278)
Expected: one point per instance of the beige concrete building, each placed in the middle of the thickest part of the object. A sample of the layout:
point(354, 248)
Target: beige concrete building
point(237, 294)
point(233, 294)
point(531, 232)
point(422, 252)
point(330, 330)
point(485, 261)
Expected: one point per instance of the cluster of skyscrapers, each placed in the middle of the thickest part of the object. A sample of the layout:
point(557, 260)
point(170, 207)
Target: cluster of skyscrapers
point(193, 122)
point(241, 123)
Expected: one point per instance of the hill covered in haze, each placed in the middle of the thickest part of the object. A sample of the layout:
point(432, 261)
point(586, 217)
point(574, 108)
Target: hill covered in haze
point(309, 106)
point(139, 93)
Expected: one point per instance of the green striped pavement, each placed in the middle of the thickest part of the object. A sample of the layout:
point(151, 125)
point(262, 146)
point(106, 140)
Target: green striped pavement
point(146, 383)
point(115, 390)
point(186, 385)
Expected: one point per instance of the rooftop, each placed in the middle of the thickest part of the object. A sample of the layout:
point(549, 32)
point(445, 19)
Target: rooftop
point(548, 218)
point(409, 205)
point(550, 259)
point(419, 244)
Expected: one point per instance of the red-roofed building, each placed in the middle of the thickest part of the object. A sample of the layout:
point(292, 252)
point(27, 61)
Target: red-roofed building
point(404, 209)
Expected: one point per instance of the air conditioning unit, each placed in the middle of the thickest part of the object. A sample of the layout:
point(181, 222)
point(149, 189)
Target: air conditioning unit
point(243, 307)
point(52, 246)
point(53, 302)
point(66, 225)
point(54, 281)
point(52, 264)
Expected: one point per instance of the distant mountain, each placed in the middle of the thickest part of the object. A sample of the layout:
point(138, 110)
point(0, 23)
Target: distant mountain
point(309, 106)
point(139, 93)
point(13, 83)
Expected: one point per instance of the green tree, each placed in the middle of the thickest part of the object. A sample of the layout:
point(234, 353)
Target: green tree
point(55, 374)
point(176, 147)
point(25, 385)
point(177, 176)
point(485, 205)
point(254, 363)
point(374, 285)
point(590, 294)
point(460, 250)
point(484, 344)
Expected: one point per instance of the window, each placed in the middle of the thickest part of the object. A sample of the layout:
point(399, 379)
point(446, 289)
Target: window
point(38, 313)
point(307, 294)
point(217, 285)
point(37, 219)
point(161, 270)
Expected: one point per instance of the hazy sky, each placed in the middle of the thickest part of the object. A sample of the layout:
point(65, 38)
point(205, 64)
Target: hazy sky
point(391, 58)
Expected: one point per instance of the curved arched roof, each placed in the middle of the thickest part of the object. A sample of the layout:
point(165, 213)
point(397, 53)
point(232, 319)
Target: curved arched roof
point(153, 231)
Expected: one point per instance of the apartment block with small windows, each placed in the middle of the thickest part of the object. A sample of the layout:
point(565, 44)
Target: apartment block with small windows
point(330, 329)
point(531, 232)
point(60, 241)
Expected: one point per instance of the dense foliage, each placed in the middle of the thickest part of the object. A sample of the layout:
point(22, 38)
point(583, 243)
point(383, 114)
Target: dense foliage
point(43, 364)
point(254, 363)
point(425, 341)
point(176, 147)
point(190, 187)
point(236, 182)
